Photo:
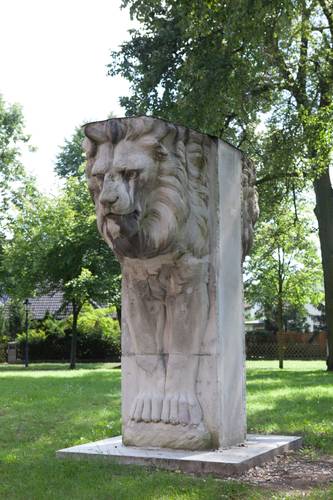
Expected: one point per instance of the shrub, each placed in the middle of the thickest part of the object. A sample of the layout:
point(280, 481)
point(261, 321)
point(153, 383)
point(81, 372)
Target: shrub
point(98, 337)
point(43, 347)
point(98, 334)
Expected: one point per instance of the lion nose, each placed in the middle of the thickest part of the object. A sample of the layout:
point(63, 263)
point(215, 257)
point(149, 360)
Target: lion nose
point(106, 199)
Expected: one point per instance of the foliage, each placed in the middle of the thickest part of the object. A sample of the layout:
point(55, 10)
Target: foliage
point(99, 320)
point(15, 185)
point(295, 319)
point(222, 66)
point(12, 136)
point(15, 317)
point(187, 62)
point(71, 157)
point(3, 331)
point(12, 317)
point(214, 67)
point(49, 326)
point(320, 319)
point(55, 245)
point(222, 69)
point(98, 337)
point(283, 272)
point(3, 321)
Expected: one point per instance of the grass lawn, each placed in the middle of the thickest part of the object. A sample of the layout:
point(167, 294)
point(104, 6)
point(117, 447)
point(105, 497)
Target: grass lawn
point(47, 407)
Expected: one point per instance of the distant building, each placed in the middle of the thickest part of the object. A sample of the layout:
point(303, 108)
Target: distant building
point(52, 303)
point(254, 325)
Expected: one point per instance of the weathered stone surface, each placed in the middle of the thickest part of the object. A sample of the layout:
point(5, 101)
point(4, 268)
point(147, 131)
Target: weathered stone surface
point(256, 450)
point(177, 207)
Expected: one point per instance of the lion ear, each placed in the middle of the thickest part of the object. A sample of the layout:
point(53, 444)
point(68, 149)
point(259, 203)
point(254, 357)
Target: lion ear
point(160, 152)
point(96, 131)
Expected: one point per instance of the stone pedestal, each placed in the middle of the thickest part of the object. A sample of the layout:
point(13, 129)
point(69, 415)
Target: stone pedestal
point(256, 450)
point(177, 208)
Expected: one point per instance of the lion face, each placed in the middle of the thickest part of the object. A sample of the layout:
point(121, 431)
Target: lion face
point(123, 179)
point(148, 181)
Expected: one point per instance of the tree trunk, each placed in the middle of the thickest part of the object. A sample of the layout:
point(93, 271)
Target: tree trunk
point(280, 313)
point(76, 311)
point(280, 332)
point(324, 214)
point(118, 309)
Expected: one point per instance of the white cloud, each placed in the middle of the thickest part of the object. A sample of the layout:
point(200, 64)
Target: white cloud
point(53, 62)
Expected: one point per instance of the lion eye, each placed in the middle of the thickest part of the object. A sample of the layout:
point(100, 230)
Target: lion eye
point(130, 174)
point(99, 177)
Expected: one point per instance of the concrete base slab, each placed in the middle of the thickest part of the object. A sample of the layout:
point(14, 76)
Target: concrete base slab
point(256, 450)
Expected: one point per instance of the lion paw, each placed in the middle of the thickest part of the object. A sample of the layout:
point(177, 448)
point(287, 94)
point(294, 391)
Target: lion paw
point(147, 408)
point(183, 409)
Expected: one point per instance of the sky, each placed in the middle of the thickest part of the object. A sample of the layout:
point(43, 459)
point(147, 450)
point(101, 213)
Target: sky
point(53, 57)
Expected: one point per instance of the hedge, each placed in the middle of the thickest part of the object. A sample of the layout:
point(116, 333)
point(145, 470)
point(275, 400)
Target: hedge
point(98, 337)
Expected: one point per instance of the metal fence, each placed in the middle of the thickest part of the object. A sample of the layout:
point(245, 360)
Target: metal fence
point(255, 350)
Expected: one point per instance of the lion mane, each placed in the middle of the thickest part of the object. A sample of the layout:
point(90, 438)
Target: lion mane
point(175, 209)
point(174, 214)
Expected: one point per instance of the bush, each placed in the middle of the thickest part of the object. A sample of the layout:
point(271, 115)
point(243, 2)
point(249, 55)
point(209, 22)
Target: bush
point(98, 337)
point(98, 334)
point(43, 347)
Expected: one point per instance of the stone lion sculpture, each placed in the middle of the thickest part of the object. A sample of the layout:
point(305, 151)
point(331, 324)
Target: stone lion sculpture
point(149, 182)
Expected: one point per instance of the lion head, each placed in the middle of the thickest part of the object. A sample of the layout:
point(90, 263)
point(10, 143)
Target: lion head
point(149, 182)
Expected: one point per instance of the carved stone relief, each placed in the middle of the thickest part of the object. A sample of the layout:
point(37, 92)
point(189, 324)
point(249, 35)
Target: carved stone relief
point(151, 184)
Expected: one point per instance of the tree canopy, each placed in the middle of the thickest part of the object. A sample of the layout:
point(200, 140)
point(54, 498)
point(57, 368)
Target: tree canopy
point(53, 244)
point(16, 186)
point(224, 66)
point(284, 270)
point(71, 157)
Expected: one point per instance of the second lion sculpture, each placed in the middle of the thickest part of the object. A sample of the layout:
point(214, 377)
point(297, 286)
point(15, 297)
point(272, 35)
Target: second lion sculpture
point(149, 182)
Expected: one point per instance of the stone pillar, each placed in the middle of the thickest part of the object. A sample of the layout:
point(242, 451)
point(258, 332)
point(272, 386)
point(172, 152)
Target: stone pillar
point(177, 207)
point(229, 299)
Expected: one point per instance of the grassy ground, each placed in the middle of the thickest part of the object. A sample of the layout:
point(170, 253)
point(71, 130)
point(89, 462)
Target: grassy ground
point(47, 407)
point(296, 400)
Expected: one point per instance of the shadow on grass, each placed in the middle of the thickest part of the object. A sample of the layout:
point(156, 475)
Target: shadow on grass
point(280, 379)
point(47, 412)
point(43, 412)
point(293, 403)
point(91, 480)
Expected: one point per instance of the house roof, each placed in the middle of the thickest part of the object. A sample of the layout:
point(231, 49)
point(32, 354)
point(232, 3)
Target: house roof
point(51, 303)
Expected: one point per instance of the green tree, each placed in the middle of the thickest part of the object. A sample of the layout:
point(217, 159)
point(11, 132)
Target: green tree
point(70, 163)
point(283, 273)
point(77, 292)
point(55, 246)
point(12, 137)
point(71, 156)
point(15, 184)
point(218, 66)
